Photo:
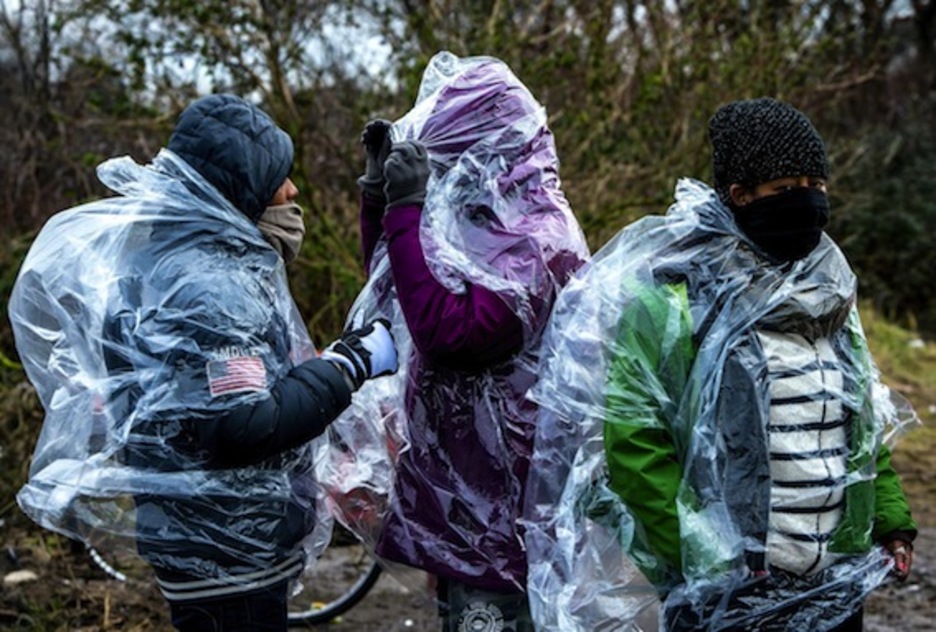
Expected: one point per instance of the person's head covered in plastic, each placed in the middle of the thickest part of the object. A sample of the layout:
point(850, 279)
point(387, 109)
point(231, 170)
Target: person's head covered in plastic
point(474, 116)
point(494, 193)
point(483, 104)
point(770, 168)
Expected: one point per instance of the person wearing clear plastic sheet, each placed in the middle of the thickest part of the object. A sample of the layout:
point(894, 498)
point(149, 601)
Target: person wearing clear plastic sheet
point(159, 331)
point(740, 422)
point(466, 230)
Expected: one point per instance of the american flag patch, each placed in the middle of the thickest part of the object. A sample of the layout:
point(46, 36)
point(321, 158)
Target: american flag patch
point(236, 375)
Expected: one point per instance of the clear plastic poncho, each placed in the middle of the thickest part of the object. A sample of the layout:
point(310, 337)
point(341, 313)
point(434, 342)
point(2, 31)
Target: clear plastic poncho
point(494, 216)
point(135, 317)
point(658, 355)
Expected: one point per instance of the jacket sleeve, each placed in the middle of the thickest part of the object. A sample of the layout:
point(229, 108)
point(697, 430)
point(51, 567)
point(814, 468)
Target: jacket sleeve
point(891, 511)
point(372, 212)
point(203, 371)
point(300, 407)
point(649, 365)
point(892, 519)
point(462, 331)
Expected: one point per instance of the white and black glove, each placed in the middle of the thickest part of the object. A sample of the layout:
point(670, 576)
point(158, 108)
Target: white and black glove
point(364, 353)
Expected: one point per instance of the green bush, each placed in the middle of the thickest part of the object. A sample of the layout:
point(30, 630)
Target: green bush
point(884, 217)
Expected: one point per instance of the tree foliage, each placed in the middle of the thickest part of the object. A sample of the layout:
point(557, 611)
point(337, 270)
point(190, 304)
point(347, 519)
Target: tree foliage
point(629, 87)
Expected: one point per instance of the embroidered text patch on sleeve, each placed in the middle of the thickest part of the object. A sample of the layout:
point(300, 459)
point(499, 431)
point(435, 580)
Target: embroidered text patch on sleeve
point(236, 375)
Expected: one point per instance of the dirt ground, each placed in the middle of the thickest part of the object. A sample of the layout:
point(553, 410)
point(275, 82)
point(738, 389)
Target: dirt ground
point(910, 606)
point(70, 593)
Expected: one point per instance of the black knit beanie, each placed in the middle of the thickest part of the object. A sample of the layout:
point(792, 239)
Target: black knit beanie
point(759, 140)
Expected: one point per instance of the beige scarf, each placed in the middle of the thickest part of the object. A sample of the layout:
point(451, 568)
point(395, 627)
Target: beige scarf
point(283, 227)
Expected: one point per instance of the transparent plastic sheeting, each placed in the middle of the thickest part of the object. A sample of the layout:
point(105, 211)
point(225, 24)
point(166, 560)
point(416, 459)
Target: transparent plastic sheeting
point(119, 308)
point(494, 216)
point(622, 350)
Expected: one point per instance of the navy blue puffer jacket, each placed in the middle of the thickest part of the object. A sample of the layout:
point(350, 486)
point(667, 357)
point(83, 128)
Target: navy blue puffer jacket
point(173, 366)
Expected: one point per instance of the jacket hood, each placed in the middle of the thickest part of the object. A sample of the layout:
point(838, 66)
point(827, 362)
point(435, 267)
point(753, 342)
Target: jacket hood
point(480, 99)
point(495, 213)
point(236, 147)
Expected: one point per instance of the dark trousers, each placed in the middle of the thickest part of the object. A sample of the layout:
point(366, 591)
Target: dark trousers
point(260, 611)
point(463, 607)
point(854, 623)
point(780, 602)
point(677, 622)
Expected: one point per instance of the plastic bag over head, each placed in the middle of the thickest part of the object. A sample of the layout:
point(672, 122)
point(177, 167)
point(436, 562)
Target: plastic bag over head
point(495, 213)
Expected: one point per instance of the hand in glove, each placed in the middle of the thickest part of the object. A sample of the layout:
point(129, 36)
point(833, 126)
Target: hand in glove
point(376, 141)
point(364, 353)
point(406, 172)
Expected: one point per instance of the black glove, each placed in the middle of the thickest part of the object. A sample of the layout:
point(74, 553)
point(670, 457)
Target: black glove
point(407, 172)
point(376, 141)
point(364, 353)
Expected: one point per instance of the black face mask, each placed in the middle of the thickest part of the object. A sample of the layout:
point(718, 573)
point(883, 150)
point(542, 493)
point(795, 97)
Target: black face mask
point(786, 226)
